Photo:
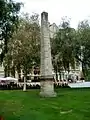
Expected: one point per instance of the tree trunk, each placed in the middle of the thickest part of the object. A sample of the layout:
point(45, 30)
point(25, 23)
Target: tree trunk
point(82, 72)
point(25, 78)
point(5, 71)
point(60, 75)
point(19, 72)
point(8, 71)
point(56, 71)
point(13, 71)
point(24, 85)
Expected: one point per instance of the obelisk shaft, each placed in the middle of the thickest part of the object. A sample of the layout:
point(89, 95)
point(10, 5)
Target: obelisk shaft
point(46, 64)
point(47, 86)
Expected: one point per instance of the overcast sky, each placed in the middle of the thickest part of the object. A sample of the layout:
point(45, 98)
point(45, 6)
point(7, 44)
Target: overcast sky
point(77, 10)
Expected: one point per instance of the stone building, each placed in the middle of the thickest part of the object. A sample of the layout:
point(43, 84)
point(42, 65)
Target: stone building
point(53, 29)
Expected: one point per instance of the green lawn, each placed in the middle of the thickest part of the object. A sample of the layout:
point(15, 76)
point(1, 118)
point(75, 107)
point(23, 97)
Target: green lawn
point(68, 105)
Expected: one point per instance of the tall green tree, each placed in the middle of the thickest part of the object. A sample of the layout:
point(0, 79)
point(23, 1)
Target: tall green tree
point(8, 22)
point(24, 47)
point(62, 47)
point(82, 48)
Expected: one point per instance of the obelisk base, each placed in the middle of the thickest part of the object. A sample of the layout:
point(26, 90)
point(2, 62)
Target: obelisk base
point(47, 89)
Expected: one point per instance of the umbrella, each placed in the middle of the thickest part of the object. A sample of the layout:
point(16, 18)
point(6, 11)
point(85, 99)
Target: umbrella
point(10, 78)
point(2, 79)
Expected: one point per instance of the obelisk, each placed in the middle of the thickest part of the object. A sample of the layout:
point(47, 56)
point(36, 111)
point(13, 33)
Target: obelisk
point(47, 86)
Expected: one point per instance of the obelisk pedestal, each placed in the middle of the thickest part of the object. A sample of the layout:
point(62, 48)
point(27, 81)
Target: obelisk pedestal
point(47, 86)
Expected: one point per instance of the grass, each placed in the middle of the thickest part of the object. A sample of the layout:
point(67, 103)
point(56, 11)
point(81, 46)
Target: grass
point(70, 104)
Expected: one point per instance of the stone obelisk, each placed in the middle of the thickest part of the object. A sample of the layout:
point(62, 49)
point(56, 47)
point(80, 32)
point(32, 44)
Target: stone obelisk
point(47, 86)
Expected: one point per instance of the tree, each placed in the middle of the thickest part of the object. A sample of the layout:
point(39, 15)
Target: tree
point(8, 22)
point(82, 48)
point(63, 47)
point(24, 46)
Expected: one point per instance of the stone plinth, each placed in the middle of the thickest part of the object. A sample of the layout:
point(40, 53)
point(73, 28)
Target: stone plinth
point(47, 89)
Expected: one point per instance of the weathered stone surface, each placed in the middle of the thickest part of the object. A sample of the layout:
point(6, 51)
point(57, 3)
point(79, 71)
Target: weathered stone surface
point(47, 87)
point(46, 64)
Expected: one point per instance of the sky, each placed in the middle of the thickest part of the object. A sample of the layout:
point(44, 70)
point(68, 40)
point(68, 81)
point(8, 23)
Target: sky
point(77, 10)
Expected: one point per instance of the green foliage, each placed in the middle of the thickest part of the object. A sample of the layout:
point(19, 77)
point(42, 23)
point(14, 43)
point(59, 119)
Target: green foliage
point(24, 46)
point(8, 21)
point(63, 45)
point(83, 45)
